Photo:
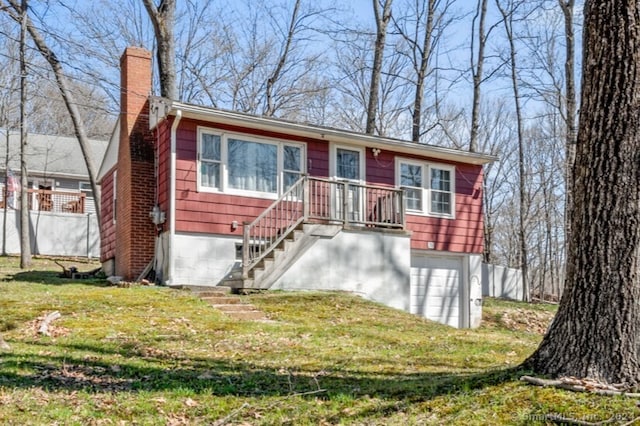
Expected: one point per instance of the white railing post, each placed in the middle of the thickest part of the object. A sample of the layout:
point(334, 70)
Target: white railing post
point(245, 249)
point(305, 198)
point(345, 202)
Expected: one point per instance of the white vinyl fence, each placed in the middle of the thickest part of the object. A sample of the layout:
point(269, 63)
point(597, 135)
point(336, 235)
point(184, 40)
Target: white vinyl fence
point(53, 234)
point(500, 281)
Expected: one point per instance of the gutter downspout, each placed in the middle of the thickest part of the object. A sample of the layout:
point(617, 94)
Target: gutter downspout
point(172, 198)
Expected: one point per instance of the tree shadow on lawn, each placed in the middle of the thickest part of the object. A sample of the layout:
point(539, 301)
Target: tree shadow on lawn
point(53, 278)
point(230, 377)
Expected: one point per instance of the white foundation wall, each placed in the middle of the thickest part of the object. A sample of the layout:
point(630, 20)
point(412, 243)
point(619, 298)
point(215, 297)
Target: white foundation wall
point(53, 234)
point(199, 260)
point(374, 265)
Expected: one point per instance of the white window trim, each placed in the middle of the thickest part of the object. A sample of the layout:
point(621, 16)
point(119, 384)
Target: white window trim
point(199, 186)
point(224, 162)
point(333, 154)
point(426, 186)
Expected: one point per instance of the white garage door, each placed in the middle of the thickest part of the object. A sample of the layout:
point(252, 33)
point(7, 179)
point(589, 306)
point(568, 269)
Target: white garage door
point(435, 288)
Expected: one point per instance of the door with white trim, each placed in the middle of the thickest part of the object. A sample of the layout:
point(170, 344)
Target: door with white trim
point(349, 197)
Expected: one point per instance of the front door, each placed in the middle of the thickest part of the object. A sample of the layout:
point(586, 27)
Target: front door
point(349, 194)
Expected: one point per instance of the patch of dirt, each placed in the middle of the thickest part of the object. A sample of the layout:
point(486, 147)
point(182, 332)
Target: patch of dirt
point(526, 320)
point(32, 328)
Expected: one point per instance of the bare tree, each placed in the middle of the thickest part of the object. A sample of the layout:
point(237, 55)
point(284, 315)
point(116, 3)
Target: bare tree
point(422, 28)
point(382, 16)
point(477, 66)
point(49, 114)
point(496, 138)
point(596, 331)
point(570, 108)
point(282, 60)
point(13, 9)
point(163, 19)
point(508, 17)
point(25, 242)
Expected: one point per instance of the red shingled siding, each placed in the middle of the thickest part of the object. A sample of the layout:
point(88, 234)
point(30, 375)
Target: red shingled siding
point(163, 152)
point(206, 212)
point(464, 234)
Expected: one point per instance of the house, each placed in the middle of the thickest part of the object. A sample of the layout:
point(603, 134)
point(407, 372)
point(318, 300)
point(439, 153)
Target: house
point(61, 201)
point(205, 197)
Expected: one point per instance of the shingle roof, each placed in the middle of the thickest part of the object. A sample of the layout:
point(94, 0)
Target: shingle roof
point(50, 155)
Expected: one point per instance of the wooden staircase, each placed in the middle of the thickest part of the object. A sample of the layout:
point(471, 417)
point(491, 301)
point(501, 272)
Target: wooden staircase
point(271, 267)
point(310, 209)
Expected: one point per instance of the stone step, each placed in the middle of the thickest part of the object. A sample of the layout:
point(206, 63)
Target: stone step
point(235, 307)
point(221, 300)
point(212, 293)
point(247, 315)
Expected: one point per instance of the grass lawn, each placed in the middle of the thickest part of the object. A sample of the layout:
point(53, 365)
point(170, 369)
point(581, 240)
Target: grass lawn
point(152, 355)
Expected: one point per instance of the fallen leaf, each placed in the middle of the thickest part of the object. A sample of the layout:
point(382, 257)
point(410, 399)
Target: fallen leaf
point(190, 403)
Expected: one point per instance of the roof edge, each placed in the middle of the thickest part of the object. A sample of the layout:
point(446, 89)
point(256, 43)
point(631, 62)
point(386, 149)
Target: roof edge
point(161, 108)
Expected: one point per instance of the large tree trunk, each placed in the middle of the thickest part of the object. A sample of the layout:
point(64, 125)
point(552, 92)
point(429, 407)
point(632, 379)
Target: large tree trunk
point(596, 332)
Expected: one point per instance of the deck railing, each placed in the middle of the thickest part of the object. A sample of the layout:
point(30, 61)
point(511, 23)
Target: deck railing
point(273, 225)
point(353, 203)
point(46, 200)
point(320, 200)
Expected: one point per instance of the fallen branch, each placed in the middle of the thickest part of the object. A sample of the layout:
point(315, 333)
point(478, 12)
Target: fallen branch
point(234, 413)
point(576, 385)
point(230, 416)
point(44, 326)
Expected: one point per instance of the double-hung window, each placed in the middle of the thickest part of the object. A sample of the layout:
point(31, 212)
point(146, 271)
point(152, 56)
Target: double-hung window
point(291, 165)
point(429, 189)
point(243, 165)
point(210, 160)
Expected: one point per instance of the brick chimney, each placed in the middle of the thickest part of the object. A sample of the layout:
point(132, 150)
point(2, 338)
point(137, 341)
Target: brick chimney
point(135, 233)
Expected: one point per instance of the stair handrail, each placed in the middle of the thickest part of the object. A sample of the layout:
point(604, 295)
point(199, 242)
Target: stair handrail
point(296, 193)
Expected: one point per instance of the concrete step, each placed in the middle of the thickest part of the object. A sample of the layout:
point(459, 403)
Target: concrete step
point(276, 254)
point(265, 263)
point(256, 273)
point(235, 283)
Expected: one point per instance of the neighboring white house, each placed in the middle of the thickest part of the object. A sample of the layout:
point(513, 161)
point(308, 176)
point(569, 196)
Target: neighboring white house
point(61, 201)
